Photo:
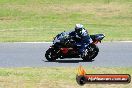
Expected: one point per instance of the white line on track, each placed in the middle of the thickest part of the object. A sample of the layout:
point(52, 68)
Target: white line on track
point(51, 42)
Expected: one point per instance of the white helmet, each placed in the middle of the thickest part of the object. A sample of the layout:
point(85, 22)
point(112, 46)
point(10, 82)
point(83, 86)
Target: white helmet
point(78, 28)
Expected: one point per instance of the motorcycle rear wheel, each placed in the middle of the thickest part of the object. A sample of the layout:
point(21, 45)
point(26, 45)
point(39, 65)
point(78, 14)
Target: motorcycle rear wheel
point(51, 54)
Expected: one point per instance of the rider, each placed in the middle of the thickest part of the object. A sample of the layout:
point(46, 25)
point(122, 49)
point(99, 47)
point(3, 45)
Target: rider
point(81, 36)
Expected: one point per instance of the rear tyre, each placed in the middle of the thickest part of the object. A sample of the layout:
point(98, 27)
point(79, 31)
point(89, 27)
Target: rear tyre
point(51, 54)
point(91, 52)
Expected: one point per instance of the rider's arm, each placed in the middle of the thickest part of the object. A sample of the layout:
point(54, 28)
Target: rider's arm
point(85, 36)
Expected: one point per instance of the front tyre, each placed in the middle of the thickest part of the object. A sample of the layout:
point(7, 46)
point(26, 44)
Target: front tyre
point(51, 54)
point(91, 52)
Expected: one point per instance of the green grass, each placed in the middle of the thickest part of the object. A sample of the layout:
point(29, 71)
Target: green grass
point(55, 77)
point(41, 20)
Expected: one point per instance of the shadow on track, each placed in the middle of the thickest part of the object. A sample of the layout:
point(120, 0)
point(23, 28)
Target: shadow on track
point(68, 61)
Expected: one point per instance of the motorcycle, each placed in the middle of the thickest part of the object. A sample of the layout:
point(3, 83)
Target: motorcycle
point(67, 49)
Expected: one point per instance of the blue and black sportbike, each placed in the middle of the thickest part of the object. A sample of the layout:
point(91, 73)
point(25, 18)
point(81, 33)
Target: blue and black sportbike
point(66, 48)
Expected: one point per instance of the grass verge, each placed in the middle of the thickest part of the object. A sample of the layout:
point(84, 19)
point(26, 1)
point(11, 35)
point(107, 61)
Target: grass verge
point(55, 77)
point(41, 20)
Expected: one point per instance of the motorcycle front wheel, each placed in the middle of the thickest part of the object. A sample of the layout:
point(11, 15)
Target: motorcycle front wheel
point(91, 52)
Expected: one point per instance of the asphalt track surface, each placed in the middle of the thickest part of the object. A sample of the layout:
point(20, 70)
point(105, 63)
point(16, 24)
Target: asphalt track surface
point(112, 54)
